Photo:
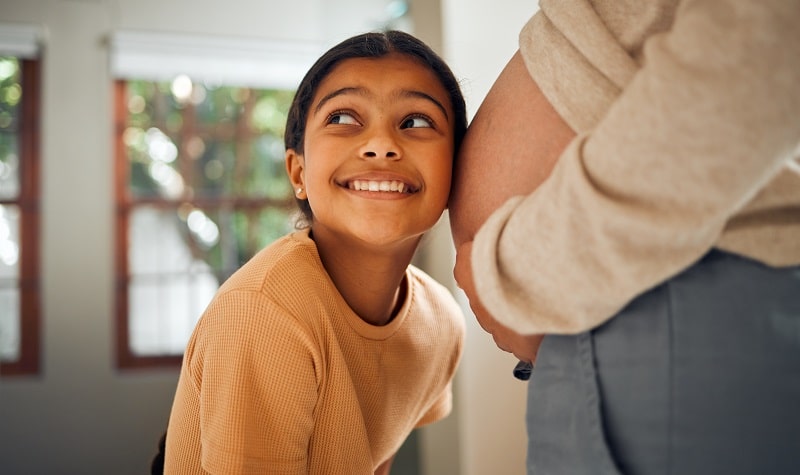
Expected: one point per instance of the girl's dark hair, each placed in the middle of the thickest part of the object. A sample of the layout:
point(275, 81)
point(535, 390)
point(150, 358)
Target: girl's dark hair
point(369, 45)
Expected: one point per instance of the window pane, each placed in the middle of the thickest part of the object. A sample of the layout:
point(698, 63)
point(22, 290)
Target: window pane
point(9, 284)
point(9, 324)
point(164, 310)
point(9, 166)
point(169, 286)
point(10, 95)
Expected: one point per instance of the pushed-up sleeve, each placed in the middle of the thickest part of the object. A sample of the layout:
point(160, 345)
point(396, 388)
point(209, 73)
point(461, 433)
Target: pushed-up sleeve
point(708, 120)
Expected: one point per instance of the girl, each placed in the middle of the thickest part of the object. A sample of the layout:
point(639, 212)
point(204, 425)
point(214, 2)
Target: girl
point(324, 351)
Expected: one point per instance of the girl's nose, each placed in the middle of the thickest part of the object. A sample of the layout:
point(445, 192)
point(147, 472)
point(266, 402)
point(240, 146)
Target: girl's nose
point(381, 145)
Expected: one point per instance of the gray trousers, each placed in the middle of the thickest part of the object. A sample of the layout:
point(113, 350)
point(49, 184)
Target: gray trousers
point(700, 375)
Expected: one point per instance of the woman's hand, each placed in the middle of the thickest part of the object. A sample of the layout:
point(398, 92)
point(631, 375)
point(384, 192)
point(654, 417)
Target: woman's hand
point(524, 347)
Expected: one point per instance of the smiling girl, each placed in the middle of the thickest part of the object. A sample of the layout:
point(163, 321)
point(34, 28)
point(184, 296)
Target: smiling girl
point(324, 351)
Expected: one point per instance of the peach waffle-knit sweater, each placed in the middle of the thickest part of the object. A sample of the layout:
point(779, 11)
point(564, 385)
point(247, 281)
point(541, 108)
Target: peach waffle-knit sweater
point(281, 377)
point(688, 122)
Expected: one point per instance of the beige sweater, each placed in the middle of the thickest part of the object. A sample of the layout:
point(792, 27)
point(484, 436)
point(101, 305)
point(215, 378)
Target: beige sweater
point(688, 122)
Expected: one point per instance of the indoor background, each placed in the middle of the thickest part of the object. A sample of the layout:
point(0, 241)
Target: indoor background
point(83, 414)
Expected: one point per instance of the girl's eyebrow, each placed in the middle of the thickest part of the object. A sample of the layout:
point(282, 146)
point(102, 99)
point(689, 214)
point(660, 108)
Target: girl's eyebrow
point(422, 95)
point(363, 92)
point(339, 92)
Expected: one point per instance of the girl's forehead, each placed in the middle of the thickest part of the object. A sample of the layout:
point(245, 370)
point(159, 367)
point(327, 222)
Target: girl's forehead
point(389, 73)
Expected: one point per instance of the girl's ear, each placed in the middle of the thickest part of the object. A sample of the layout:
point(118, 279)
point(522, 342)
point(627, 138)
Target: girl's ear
point(295, 164)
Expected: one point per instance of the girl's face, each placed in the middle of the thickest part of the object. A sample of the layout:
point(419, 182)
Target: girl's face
point(378, 151)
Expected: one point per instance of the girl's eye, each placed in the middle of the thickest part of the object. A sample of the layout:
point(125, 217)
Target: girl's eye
point(342, 118)
point(416, 122)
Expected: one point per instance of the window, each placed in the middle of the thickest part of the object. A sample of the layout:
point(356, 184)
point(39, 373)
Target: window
point(201, 187)
point(19, 216)
point(200, 176)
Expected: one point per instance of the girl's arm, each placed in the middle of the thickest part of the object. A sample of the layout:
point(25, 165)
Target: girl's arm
point(257, 388)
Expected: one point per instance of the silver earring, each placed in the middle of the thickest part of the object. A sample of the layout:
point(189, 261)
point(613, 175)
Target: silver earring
point(299, 190)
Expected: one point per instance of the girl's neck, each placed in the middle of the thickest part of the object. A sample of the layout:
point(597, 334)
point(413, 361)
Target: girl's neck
point(370, 280)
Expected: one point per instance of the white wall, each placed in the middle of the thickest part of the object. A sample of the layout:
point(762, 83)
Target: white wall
point(83, 416)
point(480, 37)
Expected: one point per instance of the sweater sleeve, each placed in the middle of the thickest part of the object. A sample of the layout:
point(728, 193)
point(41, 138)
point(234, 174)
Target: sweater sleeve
point(440, 408)
point(258, 388)
point(707, 121)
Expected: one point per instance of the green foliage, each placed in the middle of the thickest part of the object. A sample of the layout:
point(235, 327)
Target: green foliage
point(10, 95)
point(228, 149)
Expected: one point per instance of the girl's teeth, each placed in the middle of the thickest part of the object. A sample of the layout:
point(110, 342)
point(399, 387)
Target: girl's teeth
point(368, 185)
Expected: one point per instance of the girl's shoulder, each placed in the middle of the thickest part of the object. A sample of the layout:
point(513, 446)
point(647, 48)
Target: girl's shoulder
point(286, 276)
point(431, 297)
point(278, 284)
point(288, 261)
